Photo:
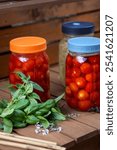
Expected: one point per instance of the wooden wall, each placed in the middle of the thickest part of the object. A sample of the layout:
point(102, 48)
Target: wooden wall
point(41, 18)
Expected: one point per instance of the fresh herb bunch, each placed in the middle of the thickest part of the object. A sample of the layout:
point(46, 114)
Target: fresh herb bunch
point(23, 109)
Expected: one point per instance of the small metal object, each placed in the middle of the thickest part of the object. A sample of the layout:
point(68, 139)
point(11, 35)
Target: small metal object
point(45, 132)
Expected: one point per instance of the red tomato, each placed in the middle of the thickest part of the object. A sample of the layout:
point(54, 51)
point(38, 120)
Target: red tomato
point(84, 105)
point(39, 61)
point(69, 60)
point(73, 87)
point(75, 62)
point(90, 87)
point(28, 65)
point(12, 78)
point(91, 77)
point(86, 68)
point(68, 81)
point(95, 98)
point(82, 95)
point(11, 66)
point(68, 72)
point(81, 82)
point(68, 90)
point(72, 102)
point(98, 85)
point(96, 68)
point(45, 67)
point(31, 74)
point(75, 72)
point(94, 59)
point(39, 76)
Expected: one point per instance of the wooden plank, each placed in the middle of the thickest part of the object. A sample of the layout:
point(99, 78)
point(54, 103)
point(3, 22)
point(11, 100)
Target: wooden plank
point(55, 68)
point(59, 91)
point(37, 12)
point(50, 30)
point(54, 77)
point(4, 60)
point(59, 138)
point(77, 130)
point(92, 143)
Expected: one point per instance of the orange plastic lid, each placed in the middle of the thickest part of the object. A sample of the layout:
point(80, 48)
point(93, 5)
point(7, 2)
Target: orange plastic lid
point(29, 44)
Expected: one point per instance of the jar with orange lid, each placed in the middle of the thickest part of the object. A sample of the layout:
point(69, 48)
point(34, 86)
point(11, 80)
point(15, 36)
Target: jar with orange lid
point(83, 73)
point(28, 55)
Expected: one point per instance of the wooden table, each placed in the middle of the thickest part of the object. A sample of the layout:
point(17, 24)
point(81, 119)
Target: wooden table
point(79, 133)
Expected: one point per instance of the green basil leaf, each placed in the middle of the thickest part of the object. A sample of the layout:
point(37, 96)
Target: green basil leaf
point(20, 104)
point(44, 122)
point(35, 96)
point(22, 76)
point(41, 112)
point(37, 86)
point(7, 112)
point(59, 98)
point(31, 119)
point(7, 125)
point(48, 104)
point(3, 103)
point(18, 115)
point(17, 93)
point(1, 110)
point(29, 88)
point(57, 115)
point(19, 124)
point(46, 115)
point(32, 108)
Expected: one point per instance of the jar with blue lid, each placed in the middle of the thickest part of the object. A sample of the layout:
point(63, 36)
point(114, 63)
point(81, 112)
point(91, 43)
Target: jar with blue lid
point(83, 73)
point(70, 30)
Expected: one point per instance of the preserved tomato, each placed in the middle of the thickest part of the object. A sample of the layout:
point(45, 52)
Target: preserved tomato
point(83, 80)
point(31, 64)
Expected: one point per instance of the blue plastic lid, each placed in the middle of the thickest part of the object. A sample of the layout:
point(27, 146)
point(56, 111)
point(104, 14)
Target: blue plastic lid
point(78, 28)
point(84, 44)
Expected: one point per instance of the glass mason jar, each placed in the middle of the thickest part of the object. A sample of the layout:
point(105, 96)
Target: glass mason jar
point(83, 73)
point(71, 29)
point(29, 56)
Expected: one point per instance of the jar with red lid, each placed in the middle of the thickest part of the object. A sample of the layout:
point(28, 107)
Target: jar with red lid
point(28, 55)
point(83, 73)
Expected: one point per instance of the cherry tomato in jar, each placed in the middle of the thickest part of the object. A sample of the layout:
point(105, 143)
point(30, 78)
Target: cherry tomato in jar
point(72, 102)
point(94, 59)
point(69, 60)
point(81, 82)
point(86, 68)
point(68, 90)
point(82, 95)
point(39, 61)
point(95, 98)
point(28, 65)
point(73, 86)
point(31, 74)
point(91, 77)
point(90, 86)
point(96, 68)
point(75, 72)
point(84, 105)
point(75, 62)
point(68, 81)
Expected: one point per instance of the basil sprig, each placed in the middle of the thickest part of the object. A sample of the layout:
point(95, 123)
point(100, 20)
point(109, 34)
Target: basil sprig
point(23, 109)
